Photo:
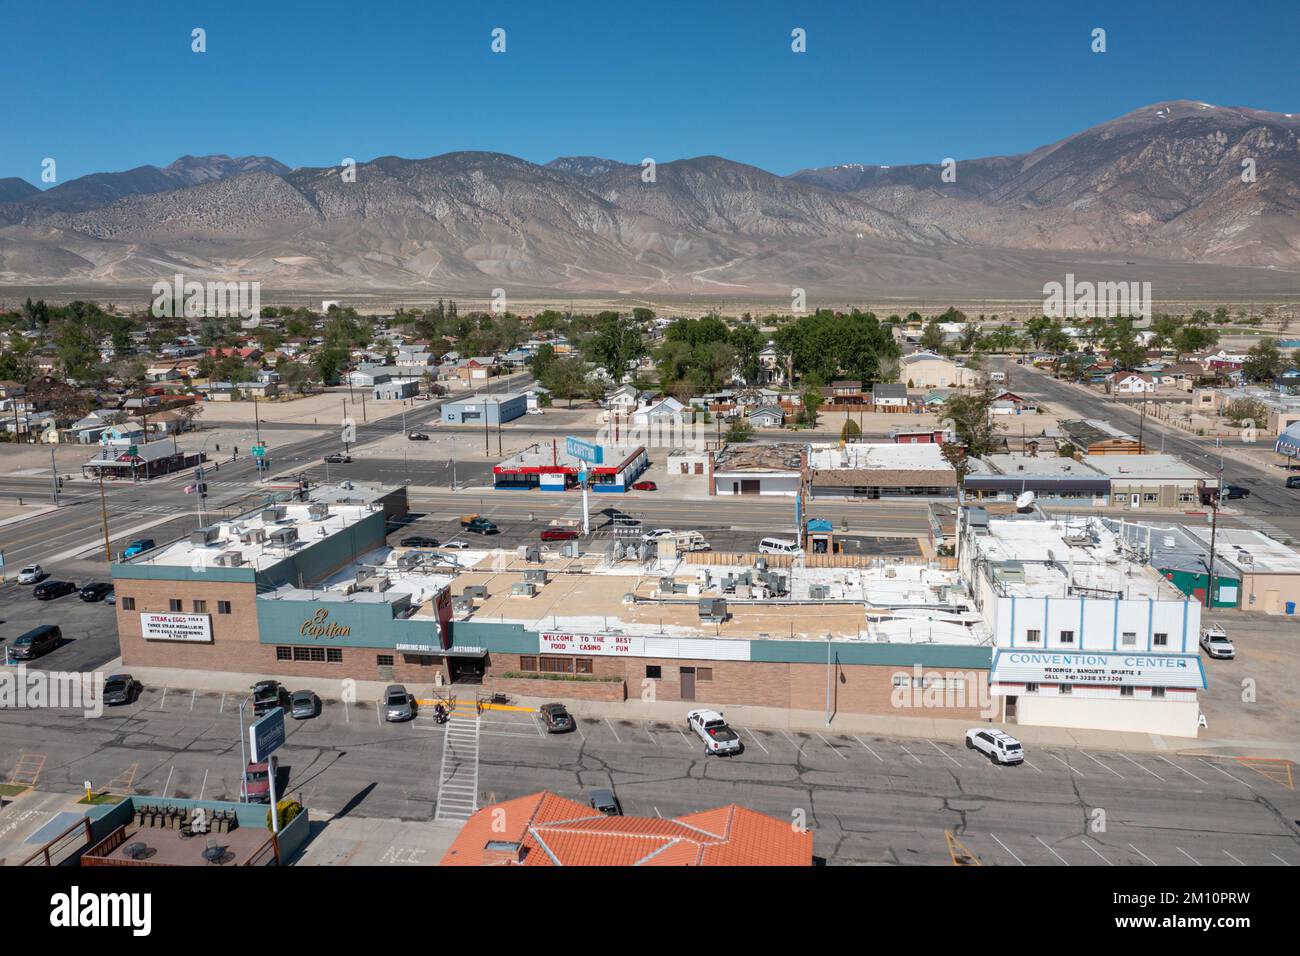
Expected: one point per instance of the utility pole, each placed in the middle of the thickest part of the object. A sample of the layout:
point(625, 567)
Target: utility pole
point(363, 406)
point(487, 432)
point(103, 517)
point(54, 477)
point(257, 425)
point(1214, 527)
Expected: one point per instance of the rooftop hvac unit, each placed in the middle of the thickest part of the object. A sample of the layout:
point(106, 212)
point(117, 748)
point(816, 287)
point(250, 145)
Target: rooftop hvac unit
point(205, 536)
point(569, 549)
point(761, 564)
point(666, 585)
point(1245, 557)
point(536, 576)
point(713, 610)
point(742, 590)
point(523, 589)
point(272, 515)
point(230, 559)
point(1170, 541)
point(533, 554)
point(283, 537)
point(255, 536)
point(819, 592)
point(318, 511)
point(473, 591)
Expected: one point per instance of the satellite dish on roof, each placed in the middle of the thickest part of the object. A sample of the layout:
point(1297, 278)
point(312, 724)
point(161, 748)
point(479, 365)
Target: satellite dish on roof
point(1025, 501)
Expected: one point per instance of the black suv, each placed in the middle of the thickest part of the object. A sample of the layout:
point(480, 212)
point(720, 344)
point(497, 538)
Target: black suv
point(268, 695)
point(95, 591)
point(49, 590)
point(419, 541)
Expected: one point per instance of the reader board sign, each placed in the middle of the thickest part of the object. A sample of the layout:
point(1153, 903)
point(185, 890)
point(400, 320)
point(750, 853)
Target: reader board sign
point(585, 450)
point(266, 735)
point(190, 628)
point(608, 645)
point(1104, 669)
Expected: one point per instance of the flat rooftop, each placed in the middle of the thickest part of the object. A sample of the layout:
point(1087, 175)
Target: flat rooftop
point(1046, 466)
point(1251, 551)
point(1162, 467)
point(880, 456)
point(1062, 558)
point(546, 455)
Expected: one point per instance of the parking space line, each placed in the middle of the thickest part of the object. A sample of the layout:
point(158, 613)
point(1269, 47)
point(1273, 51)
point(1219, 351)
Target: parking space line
point(203, 786)
point(1224, 772)
point(873, 753)
point(754, 737)
point(222, 708)
point(797, 746)
point(1008, 849)
point(686, 743)
point(379, 715)
point(1183, 769)
point(536, 721)
point(909, 753)
point(834, 749)
point(944, 752)
point(1278, 858)
point(1231, 857)
point(1053, 852)
point(1064, 764)
point(577, 725)
point(1095, 850)
point(1189, 856)
point(651, 736)
point(1140, 767)
point(612, 730)
point(168, 785)
point(1031, 766)
point(347, 713)
point(1143, 855)
point(193, 696)
point(162, 701)
point(1102, 765)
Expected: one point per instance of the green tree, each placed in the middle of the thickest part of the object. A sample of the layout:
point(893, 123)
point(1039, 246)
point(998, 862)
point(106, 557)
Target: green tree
point(747, 342)
point(851, 431)
point(1263, 361)
point(973, 422)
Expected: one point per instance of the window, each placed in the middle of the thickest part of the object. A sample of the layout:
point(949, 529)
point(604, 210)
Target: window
point(1066, 689)
point(384, 660)
point(128, 604)
point(583, 665)
point(174, 604)
point(315, 655)
point(654, 671)
point(1160, 639)
point(1067, 637)
point(223, 607)
point(902, 680)
point(1126, 692)
point(528, 663)
point(284, 653)
point(1033, 636)
point(333, 655)
point(1150, 497)
point(1031, 688)
point(1158, 693)
point(704, 673)
point(1129, 639)
point(200, 607)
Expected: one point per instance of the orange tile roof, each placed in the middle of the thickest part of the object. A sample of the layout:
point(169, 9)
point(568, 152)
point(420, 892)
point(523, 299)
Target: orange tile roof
point(551, 830)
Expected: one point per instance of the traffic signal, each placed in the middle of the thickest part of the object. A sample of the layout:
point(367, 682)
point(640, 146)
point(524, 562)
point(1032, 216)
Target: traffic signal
point(203, 488)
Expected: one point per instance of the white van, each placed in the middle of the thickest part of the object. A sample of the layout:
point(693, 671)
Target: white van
point(779, 546)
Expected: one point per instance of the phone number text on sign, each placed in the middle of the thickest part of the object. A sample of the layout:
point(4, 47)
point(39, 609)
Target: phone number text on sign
point(553, 642)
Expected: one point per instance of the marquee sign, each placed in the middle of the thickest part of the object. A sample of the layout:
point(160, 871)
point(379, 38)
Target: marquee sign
point(191, 628)
point(609, 645)
point(1097, 669)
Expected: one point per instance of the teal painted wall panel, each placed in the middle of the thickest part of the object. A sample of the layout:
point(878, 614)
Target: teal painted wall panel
point(505, 638)
point(369, 625)
point(885, 655)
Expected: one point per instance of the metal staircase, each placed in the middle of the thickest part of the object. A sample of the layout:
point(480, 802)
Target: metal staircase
point(458, 777)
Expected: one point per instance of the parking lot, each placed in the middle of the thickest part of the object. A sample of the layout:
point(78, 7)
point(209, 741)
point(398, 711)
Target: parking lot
point(870, 800)
point(89, 628)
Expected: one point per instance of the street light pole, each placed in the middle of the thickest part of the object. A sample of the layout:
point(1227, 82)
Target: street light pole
point(54, 477)
point(103, 517)
point(828, 679)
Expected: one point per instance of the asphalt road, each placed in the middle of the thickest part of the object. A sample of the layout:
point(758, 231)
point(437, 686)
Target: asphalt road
point(1270, 507)
point(868, 799)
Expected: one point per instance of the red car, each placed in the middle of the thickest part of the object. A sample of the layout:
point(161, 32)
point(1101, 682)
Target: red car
point(645, 486)
point(559, 534)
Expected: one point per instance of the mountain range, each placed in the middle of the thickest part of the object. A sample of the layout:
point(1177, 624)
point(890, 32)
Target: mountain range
point(1157, 195)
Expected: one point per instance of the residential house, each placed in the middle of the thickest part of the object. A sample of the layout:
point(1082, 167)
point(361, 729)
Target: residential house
point(1132, 383)
point(889, 397)
point(766, 416)
point(930, 370)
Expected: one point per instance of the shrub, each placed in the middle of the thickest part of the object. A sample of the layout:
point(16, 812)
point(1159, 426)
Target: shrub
point(287, 809)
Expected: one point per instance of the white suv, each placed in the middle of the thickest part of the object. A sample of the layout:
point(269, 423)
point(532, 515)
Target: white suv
point(994, 744)
point(1214, 640)
point(709, 726)
point(31, 574)
point(657, 533)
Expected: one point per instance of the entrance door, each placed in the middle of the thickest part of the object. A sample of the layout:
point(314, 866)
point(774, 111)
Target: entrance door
point(1272, 601)
point(1011, 707)
point(465, 670)
point(750, 486)
point(1136, 502)
point(688, 683)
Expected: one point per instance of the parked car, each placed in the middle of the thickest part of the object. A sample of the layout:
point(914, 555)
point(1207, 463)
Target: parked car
point(337, 459)
point(656, 534)
point(456, 545)
point(138, 546)
point(559, 534)
point(1235, 491)
point(49, 590)
point(556, 718)
point(997, 746)
point(121, 689)
point(398, 704)
point(268, 695)
point(604, 801)
point(779, 546)
point(478, 524)
point(111, 596)
point(535, 411)
point(96, 591)
point(31, 574)
point(417, 436)
point(1214, 641)
point(644, 486)
point(257, 783)
point(36, 642)
point(304, 705)
point(709, 726)
point(1293, 481)
point(419, 541)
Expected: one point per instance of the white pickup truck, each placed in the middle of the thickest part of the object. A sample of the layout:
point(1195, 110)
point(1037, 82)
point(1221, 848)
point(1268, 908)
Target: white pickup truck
point(1215, 643)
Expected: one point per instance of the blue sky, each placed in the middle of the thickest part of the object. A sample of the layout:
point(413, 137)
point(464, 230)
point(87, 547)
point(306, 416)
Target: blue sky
point(108, 86)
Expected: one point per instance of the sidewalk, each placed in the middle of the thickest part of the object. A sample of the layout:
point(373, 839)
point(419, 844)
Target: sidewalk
point(765, 718)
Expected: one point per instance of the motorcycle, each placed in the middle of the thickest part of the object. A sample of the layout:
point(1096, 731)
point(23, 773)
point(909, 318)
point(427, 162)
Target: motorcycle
point(440, 714)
